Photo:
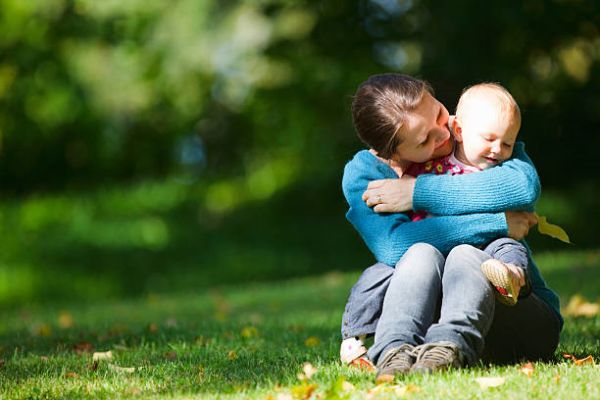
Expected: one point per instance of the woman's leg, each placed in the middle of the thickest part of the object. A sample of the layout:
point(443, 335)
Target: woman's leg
point(467, 304)
point(412, 300)
point(529, 330)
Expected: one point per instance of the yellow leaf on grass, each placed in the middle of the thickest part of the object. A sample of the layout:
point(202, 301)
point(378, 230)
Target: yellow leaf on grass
point(490, 382)
point(312, 341)
point(65, 320)
point(249, 332)
point(304, 391)
point(43, 330)
point(552, 230)
point(578, 306)
point(232, 355)
point(102, 356)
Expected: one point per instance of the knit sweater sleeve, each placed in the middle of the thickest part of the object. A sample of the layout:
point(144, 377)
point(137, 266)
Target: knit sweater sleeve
point(388, 236)
point(512, 185)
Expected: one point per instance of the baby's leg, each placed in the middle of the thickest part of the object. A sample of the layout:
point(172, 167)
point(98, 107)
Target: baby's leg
point(507, 254)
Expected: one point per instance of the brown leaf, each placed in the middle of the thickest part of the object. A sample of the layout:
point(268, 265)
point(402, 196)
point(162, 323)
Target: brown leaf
point(44, 358)
point(83, 347)
point(153, 328)
point(578, 306)
point(528, 369)
point(362, 363)
point(583, 361)
point(71, 375)
point(232, 355)
point(171, 355)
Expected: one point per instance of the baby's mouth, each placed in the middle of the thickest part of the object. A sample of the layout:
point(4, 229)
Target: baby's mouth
point(491, 160)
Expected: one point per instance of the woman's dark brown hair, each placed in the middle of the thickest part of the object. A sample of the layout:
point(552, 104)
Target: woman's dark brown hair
point(380, 107)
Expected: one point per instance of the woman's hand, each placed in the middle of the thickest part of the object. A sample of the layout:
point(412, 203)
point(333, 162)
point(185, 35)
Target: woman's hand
point(390, 195)
point(519, 222)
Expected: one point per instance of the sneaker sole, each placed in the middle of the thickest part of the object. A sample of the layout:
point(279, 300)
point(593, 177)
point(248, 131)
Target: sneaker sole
point(499, 276)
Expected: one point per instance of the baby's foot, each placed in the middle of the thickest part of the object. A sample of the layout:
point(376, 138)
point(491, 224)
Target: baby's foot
point(503, 280)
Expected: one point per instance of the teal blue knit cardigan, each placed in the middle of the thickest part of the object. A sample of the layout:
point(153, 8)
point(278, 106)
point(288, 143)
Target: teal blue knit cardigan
point(468, 209)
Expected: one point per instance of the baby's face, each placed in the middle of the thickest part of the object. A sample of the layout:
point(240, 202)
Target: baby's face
point(487, 137)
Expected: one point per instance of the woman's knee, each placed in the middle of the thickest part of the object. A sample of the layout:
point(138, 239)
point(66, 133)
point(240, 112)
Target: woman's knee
point(465, 256)
point(424, 257)
point(425, 250)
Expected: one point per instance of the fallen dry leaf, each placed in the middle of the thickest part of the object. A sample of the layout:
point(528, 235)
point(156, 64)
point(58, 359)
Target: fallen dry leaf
point(578, 306)
point(153, 328)
point(71, 375)
point(44, 358)
point(249, 332)
point(65, 320)
point(312, 341)
point(171, 355)
point(556, 378)
point(528, 369)
point(582, 361)
point(102, 356)
point(116, 368)
point(232, 355)
point(304, 391)
point(43, 330)
point(386, 391)
point(490, 382)
point(83, 347)
point(362, 363)
point(308, 371)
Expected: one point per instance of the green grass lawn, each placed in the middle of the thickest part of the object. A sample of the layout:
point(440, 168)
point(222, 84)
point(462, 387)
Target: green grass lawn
point(252, 340)
point(213, 302)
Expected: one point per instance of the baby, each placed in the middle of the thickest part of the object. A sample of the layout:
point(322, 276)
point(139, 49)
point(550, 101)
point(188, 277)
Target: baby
point(485, 129)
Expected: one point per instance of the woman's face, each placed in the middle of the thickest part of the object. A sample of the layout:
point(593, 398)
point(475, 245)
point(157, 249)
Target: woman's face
point(425, 135)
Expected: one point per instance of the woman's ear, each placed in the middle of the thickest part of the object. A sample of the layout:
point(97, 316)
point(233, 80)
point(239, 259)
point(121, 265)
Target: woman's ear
point(456, 129)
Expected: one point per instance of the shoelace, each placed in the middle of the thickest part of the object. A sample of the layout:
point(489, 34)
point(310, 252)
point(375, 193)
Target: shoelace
point(399, 362)
point(434, 352)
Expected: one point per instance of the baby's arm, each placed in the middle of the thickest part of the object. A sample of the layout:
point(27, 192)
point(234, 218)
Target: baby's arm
point(512, 185)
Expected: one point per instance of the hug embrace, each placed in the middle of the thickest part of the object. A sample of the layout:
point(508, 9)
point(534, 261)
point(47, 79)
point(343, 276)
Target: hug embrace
point(443, 203)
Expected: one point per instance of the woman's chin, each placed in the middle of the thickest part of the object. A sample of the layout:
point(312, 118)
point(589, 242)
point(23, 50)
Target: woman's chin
point(443, 150)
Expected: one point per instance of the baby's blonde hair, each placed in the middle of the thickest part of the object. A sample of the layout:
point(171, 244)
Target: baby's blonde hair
point(500, 98)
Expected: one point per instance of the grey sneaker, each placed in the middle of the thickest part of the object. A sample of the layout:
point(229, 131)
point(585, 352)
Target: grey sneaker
point(436, 356)
point(395, 362)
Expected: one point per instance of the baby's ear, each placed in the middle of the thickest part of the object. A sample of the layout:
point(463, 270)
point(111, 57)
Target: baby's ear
point(455, 128)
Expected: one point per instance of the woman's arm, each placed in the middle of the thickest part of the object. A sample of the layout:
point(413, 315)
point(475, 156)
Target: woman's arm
point(513, 185)
point(388, 236)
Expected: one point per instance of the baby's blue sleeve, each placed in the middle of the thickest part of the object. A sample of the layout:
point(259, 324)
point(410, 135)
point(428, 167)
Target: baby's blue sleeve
point(512, 185)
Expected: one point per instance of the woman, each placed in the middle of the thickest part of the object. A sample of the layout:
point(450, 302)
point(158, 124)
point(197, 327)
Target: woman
point(438, 308)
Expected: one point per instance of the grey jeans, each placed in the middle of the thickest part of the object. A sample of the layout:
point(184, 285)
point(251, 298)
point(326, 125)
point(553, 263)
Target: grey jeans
point(429, 298)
